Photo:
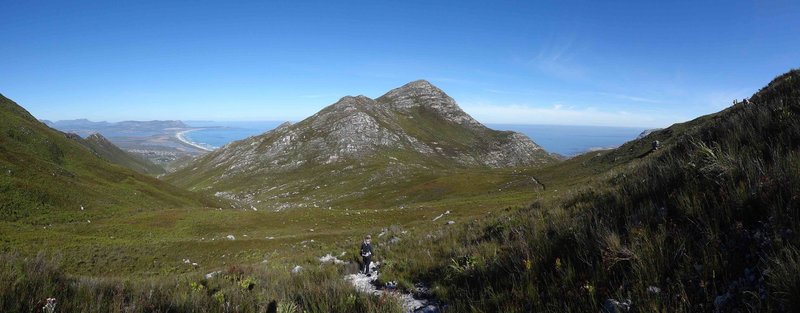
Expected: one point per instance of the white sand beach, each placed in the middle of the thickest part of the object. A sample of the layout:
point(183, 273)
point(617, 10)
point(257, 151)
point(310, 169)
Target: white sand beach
point(181, 136)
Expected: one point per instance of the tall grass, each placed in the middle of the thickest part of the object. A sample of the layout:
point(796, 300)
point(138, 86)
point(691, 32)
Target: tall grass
point(708, 223)
point(26, 284)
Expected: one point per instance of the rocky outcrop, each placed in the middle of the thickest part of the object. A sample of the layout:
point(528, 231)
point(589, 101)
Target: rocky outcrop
point(413, 127)
point(357, 127)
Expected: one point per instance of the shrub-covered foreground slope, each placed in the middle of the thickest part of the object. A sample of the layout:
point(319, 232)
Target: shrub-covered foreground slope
point(707, 223)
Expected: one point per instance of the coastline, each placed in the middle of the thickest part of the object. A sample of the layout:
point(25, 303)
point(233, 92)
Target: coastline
point(180, 136)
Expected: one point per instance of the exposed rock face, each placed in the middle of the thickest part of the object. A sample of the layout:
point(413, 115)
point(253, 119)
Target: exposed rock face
point(359, 127)
point(422, 93)
point(414, 126)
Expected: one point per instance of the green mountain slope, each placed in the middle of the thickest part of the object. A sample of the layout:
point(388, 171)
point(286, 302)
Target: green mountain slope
point(103, 148)
point(709, 222)
point(361, 152)
point(43, 172)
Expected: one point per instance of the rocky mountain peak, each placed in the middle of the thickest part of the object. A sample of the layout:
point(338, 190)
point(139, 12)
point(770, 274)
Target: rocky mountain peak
point(411, 129)
point(422, 95)
point(417, 88)
point(96, 137)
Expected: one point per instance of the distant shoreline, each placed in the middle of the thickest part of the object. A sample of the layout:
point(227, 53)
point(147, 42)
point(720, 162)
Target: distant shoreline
point(182, 138)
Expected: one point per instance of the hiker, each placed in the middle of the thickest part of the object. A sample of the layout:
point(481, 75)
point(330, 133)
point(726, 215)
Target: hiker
point(366, 253)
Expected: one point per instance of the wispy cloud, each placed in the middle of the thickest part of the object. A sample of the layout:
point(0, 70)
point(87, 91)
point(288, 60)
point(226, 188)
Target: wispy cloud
point(630, 97)
point(562, 114)
point(557, 58)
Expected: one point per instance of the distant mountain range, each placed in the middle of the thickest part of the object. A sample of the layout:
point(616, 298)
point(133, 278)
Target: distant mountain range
point(86, 127)
point(154, 141)
point(359, 142)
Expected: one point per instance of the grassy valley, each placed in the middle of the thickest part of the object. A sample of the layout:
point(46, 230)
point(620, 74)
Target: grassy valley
point(707, 222)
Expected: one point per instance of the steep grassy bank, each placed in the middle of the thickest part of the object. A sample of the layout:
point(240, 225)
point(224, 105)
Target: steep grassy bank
point(707, 223)
point(45, 175)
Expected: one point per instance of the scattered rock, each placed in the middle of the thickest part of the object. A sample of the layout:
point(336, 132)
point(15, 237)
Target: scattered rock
point(230, 237)
point(364, 283)
point(441, 215)
point(428, 309)
point(653, 290)
point(328, 258)
point(614, 306)
point(297, 269)
point(451, 222)
point(212, 274)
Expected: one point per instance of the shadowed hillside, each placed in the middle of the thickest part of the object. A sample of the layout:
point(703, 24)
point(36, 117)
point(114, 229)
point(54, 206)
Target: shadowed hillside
point(708, 222)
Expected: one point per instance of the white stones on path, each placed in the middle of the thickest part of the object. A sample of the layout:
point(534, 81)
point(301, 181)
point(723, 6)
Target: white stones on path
point(366, 284)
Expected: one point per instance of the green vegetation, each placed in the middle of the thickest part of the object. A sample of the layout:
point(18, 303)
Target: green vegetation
point(103, 148)
point(412, 145)
point(45, 176)
point(706, 223)
point(28, 282)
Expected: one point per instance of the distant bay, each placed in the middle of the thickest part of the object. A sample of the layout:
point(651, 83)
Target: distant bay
point(566, 140)
point(571, 140)
point(217, 134)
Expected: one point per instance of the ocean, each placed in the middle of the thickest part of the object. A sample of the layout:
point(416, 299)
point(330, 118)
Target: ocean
point(218, 134)
point(570, 140)
point(561, 139)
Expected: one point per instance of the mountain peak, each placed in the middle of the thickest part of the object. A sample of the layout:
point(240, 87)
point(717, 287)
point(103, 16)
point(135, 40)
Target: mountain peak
point(422, 95)
point(416, 88)
point(419, 83)
point(96, 137)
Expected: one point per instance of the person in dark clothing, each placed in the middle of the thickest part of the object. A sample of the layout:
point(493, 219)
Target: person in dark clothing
point(366, 253)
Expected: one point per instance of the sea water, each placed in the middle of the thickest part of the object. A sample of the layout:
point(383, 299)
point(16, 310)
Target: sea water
point(561, 139)
point(217, 134)
point(571, 140)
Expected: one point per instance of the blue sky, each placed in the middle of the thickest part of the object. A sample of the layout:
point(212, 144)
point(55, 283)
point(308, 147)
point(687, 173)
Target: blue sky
point(626, 63)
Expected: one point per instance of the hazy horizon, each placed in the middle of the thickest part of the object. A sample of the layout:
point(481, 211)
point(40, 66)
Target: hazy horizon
point(295, 121)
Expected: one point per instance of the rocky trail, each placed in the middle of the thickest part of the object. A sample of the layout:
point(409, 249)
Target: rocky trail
point(410, 302)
